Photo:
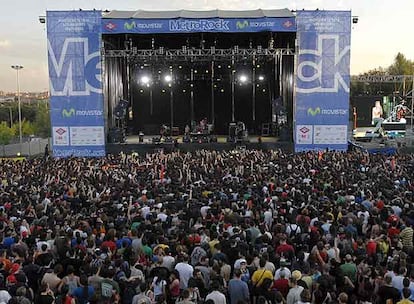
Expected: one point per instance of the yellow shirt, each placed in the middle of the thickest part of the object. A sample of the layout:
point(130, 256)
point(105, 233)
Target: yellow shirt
point(259, 276)
point(405, 301)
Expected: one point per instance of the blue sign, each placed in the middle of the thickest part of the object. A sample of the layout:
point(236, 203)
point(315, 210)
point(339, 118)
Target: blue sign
point(76, 100)
point(322, 81)
point(182, 25)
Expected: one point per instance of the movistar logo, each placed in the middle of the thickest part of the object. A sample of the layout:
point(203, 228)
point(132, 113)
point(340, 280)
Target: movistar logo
point(129, 26)
point(242, 24)
point(315, 111)
point(68, 113)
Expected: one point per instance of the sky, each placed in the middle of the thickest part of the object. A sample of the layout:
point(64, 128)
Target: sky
point(383, 30)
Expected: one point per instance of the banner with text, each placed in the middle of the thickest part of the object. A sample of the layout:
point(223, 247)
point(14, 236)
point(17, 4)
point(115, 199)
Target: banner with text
point(76, 100)
point(182, 25)
point(322, 81)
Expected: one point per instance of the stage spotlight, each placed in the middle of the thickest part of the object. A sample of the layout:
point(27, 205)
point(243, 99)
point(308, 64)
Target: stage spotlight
point(229, 66)
point(258, 66)
point(163, 91)
point(206, 71)
point(243, 78)
point(180, 66)
point(264, 90)
point(168, 78)
point(141, 91)
point(184, 90)
point(142, 67)
point(222, 90)
point(261, 77)
point(145, 80)
point(195, 71)
point(219, 66)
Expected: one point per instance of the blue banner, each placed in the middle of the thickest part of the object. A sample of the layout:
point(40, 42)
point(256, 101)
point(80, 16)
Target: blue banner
point(76, 100)
point(322, 81)
point(182, 25)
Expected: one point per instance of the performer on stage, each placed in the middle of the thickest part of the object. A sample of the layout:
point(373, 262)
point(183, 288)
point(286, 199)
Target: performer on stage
point(377, 112)
point(377, 116)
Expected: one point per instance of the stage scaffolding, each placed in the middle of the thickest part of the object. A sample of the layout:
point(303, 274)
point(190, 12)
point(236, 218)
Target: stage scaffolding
point(133, 56)
point(193, 55)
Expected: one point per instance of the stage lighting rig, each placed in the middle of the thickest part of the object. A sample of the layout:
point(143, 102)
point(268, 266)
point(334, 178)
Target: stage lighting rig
point(243, 79)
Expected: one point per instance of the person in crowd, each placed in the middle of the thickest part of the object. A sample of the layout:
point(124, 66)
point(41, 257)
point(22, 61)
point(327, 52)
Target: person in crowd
point(103, 230)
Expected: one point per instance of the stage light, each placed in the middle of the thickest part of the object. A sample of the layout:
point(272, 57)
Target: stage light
point(258, 66)
point(171, 67)
point(219, 66)
point(180, 66)
point(229, 66)
point(191, 85)
point(145, 79)
point(168, 78)
point(159, 72)
point(206, 71)
point(184, 90)
point(222, 90)
point(261, 77)
point(264, 90)
point(215, 86)
point(142, 67)
point(195, 71)
point(243, 78)
point(163, 91)
point(141, 91)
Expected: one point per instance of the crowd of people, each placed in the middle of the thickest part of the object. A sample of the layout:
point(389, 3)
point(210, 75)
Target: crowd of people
point(242, 226)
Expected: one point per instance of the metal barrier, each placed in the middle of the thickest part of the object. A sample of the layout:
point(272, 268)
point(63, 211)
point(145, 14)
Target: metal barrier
point(28, 148)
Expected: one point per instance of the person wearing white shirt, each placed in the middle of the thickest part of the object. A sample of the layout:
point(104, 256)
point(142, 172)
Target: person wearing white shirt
point(215, 295)
point(185, 270)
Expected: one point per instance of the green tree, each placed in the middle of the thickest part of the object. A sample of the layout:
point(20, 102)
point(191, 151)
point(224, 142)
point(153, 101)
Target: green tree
point(27, 128)
point(42, 121)
point(401, 66)
point(6, 133)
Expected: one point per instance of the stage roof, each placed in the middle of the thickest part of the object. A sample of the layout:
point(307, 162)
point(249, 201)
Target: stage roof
point(142, 14)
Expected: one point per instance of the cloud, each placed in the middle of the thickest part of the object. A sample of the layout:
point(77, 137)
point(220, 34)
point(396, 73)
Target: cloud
point(4, 43)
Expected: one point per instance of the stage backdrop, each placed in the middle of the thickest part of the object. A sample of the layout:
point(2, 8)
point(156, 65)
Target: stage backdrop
point(76, 100)
point(322, 82)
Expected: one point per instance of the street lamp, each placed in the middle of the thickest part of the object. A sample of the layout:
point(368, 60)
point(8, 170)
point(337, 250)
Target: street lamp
point(17, 68)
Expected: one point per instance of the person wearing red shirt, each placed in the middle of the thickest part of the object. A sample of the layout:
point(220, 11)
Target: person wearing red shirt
point(284, 249)
point(371, 247)
point(282, 284)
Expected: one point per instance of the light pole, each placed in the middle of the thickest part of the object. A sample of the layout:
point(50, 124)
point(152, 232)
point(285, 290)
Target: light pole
point(17, 68)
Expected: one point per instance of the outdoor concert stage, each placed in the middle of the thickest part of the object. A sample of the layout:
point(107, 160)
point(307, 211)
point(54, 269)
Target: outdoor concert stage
point(117, 73)
point(133, 144)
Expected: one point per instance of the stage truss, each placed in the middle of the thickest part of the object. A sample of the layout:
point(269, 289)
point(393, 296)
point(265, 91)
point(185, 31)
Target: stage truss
point(196, 55)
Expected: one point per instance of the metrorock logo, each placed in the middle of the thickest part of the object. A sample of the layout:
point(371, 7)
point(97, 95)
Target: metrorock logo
point(199, 25)
point(242, 24)
point(68, 113)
